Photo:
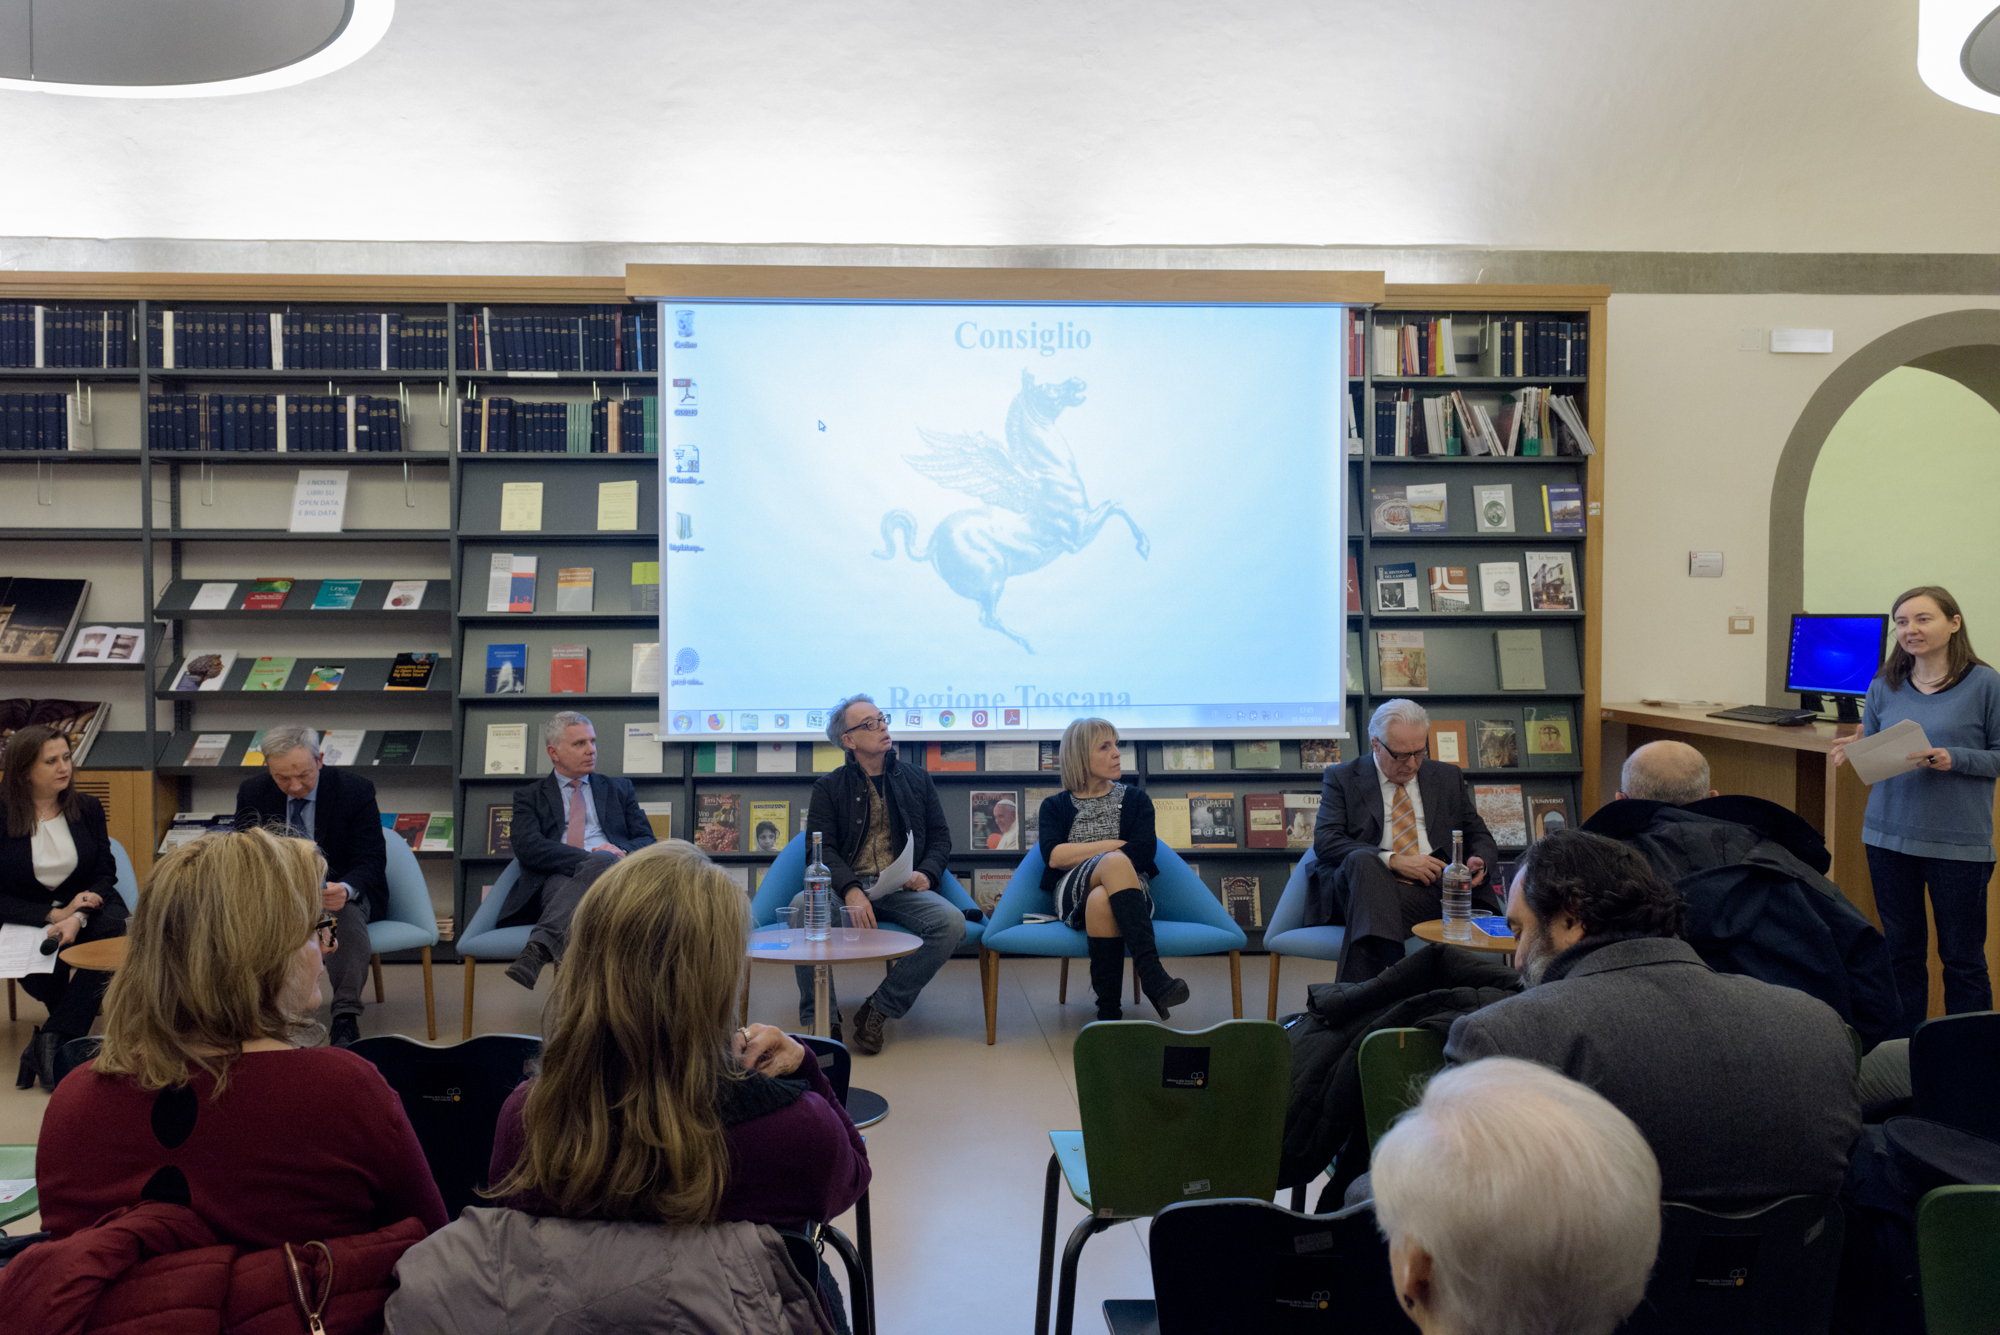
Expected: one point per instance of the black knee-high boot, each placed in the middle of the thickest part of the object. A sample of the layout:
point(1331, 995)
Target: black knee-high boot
point(1136, 923)
point(1107, 974)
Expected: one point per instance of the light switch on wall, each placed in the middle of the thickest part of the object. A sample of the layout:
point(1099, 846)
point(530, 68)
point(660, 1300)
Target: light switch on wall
point(1742, 625)
point(1705, 565)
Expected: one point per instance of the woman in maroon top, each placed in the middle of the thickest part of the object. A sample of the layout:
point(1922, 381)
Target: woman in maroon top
point(200, 1098)
point(650, 1106)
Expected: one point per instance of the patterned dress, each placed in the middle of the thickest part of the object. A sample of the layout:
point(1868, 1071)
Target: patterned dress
point(1096, 818)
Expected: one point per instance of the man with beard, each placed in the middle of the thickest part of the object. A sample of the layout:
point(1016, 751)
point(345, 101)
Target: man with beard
point(1745, 1091)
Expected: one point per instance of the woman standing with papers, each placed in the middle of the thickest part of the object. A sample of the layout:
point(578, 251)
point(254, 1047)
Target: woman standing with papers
point(1932, 826)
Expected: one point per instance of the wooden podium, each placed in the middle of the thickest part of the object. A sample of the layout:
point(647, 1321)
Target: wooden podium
point(1789, 766)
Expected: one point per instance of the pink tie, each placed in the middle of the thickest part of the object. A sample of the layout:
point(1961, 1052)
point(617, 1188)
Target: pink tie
point(574, 835)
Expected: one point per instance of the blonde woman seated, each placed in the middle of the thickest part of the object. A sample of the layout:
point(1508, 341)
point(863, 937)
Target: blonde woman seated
point(650, 1108)
point(1516, 1200)
point(1097, 839)
point(201, 1096)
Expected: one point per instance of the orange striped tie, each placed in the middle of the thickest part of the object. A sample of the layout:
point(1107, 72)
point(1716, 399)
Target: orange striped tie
point(1403, 823)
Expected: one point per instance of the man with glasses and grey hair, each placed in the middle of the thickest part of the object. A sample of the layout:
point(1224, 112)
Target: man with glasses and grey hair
point(569, 828)
point(335, 808)
point(866, 811)
point(1383, 840)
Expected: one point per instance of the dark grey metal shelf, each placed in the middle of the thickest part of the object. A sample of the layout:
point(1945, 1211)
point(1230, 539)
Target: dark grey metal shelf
point(558, 377)
point(1454, 539)
point(591, 536)
point(281, 535)
point(554, 457)
point(71, 456)
point(301, 375)
point(1481, 380)
point(1508, 459)
point(174, 603)
point(281, 457)
point(100, 374)
point(69, 534)
point(364, 679)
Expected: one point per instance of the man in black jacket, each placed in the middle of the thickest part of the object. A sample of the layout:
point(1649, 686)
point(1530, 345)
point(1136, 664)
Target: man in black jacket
point(335, 808)
point(569, 828)
point(867, 810)
point(1383, 838)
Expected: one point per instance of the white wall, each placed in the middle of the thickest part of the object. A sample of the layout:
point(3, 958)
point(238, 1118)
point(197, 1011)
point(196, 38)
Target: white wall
point(1695, 427)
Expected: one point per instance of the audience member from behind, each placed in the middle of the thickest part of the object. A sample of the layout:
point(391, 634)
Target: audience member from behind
point(1097, 839)
point(56, 873)
point(1560, 1234)
point(201, 1097)
point(1745, 1091)
point(649, 1109)
point(1932, 827)
point(1752, 875)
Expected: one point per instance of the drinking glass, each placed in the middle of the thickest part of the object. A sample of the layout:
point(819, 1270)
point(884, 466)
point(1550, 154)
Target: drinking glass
point(850, 923)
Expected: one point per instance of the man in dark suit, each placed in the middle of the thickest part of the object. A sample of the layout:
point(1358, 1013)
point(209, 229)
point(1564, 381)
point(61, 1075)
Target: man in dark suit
point(1383, 838)
point(570, 827)
point(335, 808)
point(1746, 1091)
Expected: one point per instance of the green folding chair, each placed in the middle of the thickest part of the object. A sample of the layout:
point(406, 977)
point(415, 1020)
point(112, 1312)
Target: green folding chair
point(1167, 1116)
point(1958, 1259)
point(17, 1163)
point(1395, 1063)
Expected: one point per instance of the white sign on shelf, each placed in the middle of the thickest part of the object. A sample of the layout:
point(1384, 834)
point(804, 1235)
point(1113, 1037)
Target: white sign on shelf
point(319, 500)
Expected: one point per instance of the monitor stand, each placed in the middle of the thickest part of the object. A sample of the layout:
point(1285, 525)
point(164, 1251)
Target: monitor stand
point(1847, 708)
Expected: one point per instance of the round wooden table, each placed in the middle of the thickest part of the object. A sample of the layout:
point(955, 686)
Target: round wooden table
point(1492, 945)
point(788, 945)
point(105, 955)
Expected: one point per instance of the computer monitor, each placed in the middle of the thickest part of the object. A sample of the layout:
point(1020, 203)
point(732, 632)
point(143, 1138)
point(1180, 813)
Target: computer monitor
point(1837, 656)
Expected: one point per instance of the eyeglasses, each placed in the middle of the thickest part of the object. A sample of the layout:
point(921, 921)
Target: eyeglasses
point(327, 932)
point(876, 724)
point(1399, 756)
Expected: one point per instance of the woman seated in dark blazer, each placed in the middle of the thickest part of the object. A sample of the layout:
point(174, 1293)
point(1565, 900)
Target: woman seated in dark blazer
point(56, 872)
point(1097, 839)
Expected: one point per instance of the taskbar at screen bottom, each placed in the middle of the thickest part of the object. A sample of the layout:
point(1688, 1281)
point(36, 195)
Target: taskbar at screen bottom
point(1287, 718)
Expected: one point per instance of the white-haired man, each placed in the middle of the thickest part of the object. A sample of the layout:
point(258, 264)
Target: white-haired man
point(1383, 840)
point(1562, 1231)
point(569, 828)
point(335, 808)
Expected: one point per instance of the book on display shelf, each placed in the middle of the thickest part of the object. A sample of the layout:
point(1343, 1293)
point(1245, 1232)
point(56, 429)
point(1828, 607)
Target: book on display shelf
point(510, 583)
point(267, 595)
point(618, 509)
point(38, 617)
point(827, 757)
point(520, 507)
point(205, 672)
point(1501, 806)
point(1255, 755)
point(253, 754)
point(108, 644)
point(739, 876)
point(1050, 756)
point(500, 831)
point(212, 597)
point(269, 674)
point(1547, 816)
point(1389, 510)
point(1449, 590)
point(645, 586)
point(1519, 656)
point(1499, 586)
point(336, 595)
point(1399, 661)
point(770, 825)
point(78, 720)
point(715, 757)
point(207, 749)
point(407, 826)
point(1188, 755)
point(660, 818)
point(1301, 810)
point(950, 757)
point(1498, 743)
point(717, 829)
point(1353, 585)
point(1031, 814)
point(777, 757)
point(506, 669)
point(341, 746)
point(411, 672)
point(398, 748)
point(986, 887)
point(646, 669)
point(643, 753)
point(1011, 757)
point(438, 832)
point(188, 826)
point(574, 588)
point(1241, 897)
point(1396, 588)
point(1493, 508)
point(1350, 663)
point(325, 677)
point(1264, 816)
point(1562, 508)
point(506, 748)
point(1551, 581)
point(1319, 752)
point(1428, 507)
point(1172, 824)
point(1448, 742)
point(405, 595)
point(1550, 733)
point(1212, 819)
point(996, 820)
point(569, 669)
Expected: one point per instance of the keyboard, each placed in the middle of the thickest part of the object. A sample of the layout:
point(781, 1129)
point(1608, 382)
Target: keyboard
point(1784, 718)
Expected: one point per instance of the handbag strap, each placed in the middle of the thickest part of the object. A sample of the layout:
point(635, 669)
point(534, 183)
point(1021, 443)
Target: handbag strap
point(310, 1310)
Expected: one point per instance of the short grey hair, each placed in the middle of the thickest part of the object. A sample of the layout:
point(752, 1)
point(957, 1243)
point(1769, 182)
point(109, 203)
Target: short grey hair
point(1565, 1226)
point(1396, 711)
point(287, 738)
point(839, 714)
point(1665, 772)
point(553, 730)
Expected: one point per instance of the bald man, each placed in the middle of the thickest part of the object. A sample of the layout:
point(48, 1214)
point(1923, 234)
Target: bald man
point(1753, 876)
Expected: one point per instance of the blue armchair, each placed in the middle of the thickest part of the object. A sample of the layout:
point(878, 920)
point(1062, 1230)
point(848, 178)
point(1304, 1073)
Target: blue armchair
point(1187, 920)
point(786, 877)
point(1285, 933)
point(484, 939)
point(411, 924)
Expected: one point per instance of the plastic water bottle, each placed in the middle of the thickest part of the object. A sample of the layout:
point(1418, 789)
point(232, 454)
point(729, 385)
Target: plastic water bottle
point(1457, 886)
point(819, 896)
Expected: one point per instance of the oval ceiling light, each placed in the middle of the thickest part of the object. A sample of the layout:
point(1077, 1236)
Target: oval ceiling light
point(1958, 51)
point(181, 48)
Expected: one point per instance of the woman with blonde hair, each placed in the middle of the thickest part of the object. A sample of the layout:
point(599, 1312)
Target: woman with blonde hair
point(650, 1108)
point(201, 1095)
point(1098, 843)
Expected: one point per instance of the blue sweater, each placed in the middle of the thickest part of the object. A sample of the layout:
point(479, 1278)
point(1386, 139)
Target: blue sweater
point(1926, 813)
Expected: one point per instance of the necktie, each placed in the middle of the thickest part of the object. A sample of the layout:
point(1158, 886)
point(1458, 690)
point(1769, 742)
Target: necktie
point(574, 835)
point(297, 818)
point(1402, 822)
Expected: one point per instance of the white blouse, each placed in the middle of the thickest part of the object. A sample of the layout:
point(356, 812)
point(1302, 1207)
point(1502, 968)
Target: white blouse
point(55, 852)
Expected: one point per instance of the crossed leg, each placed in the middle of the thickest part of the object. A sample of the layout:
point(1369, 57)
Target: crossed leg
point(1114, 872)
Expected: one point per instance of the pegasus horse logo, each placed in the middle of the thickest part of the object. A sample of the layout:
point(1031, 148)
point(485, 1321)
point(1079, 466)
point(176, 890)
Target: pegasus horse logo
point(1036, 507)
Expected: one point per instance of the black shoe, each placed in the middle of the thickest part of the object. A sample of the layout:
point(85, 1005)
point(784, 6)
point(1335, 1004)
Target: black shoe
point(29, 1073)
point(868, 1024)
point(46, 1043)
point(1107, 975)
point(1135, 923)
point(527, 966)
point(832, 1030)
point(345, 1031)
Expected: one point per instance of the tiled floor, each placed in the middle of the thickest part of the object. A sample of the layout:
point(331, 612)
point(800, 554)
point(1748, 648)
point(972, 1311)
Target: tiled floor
point(958, 1163)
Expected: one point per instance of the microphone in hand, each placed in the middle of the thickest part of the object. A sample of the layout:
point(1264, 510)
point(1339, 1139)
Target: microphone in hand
point(50, 944)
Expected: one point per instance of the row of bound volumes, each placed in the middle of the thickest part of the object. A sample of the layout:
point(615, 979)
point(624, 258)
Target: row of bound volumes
point(57, 336)
point(1499, 347)
point(276, 423)
point(246, 340)
point(45, 422)
point(500, 425)
point(604, 338)
point(1527, 422)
